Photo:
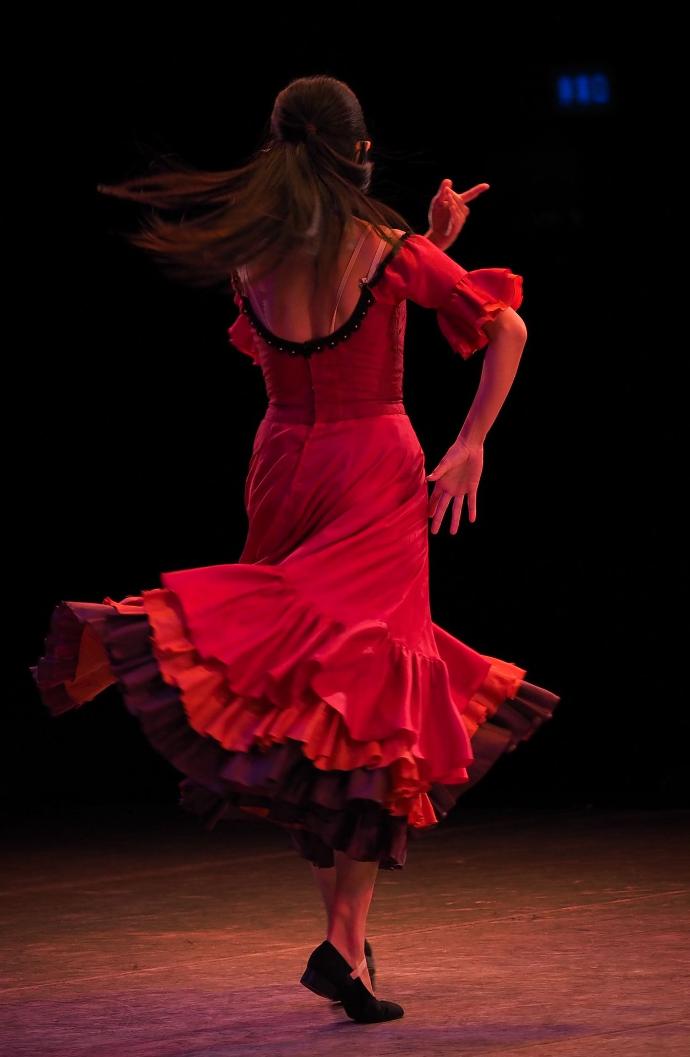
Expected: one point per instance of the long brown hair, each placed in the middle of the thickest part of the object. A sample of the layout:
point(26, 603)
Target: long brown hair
point(299, 189)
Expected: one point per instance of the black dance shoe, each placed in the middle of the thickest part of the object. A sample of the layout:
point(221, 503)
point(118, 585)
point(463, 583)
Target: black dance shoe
point(371, 966)
point(329, 975)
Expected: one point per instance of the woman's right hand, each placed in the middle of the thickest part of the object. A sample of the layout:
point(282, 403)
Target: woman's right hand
point(448, 212)
point(456, 476)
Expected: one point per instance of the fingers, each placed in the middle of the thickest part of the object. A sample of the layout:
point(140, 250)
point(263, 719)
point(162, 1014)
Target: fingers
point(439, 502)
point(458, 212)
point(472, 504)
point(455, 203)
point(437, 508)
point(474, 192)
point(441, 508)
point(446, 193)
point(455, 517)
point(433, 500)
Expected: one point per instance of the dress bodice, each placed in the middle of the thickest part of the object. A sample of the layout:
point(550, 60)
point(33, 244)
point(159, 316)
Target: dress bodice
point(361, 363)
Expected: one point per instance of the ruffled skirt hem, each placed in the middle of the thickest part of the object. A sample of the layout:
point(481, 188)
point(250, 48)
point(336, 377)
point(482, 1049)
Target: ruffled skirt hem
point(367, 810)
point(345, 811)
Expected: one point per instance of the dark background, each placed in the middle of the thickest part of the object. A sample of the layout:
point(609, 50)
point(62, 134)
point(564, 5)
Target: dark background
point(137, 417)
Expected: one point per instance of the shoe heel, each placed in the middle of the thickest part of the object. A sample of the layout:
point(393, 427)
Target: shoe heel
point(319, 984)
point(329, 975)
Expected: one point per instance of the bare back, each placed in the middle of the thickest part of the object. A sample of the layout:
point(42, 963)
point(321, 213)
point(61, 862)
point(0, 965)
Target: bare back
point(291, 305)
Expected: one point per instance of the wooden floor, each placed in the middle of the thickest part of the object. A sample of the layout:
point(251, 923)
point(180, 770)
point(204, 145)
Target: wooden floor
point(541, 934)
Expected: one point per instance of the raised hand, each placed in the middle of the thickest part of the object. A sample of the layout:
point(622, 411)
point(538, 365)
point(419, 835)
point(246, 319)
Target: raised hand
point(448, 212)
point(456, 476)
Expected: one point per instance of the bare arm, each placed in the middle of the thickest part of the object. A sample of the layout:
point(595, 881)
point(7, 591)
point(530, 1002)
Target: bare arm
point(458, 472)
point(508, 335)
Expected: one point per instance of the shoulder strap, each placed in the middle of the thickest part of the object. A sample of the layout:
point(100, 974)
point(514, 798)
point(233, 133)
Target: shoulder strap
point(346, 274)
point(244, 279)
point(372, 268)
point(376, 258)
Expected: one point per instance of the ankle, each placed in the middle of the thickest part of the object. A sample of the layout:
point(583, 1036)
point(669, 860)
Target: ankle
point(350, 946)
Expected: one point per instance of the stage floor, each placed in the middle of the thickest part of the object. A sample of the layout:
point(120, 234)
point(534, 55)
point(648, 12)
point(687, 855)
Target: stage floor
point(132, 932)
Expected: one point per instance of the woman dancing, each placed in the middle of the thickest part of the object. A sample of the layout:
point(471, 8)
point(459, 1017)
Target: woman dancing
point(306, 683)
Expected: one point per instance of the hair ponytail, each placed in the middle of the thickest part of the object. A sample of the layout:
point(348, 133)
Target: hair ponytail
point(298, 190)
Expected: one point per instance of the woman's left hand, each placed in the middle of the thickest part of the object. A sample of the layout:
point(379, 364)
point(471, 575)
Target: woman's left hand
point(449, 211)
point(455, 478)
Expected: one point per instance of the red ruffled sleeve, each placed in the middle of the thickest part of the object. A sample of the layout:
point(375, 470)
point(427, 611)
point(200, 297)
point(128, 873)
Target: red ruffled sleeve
point(464, 300)
point(241, 333)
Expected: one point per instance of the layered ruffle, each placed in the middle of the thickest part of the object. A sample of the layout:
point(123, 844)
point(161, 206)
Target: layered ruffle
point(254, 714)
point(464, 300)
point(476, 299)
point(513, 721)
point(257, 663)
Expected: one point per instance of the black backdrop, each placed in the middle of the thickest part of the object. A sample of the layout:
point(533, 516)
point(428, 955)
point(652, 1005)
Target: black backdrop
point(132, 419)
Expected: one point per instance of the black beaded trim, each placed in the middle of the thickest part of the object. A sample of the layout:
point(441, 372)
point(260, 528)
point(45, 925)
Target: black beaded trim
point(305, 348)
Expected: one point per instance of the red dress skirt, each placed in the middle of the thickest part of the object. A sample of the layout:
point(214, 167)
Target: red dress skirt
point(306, 683)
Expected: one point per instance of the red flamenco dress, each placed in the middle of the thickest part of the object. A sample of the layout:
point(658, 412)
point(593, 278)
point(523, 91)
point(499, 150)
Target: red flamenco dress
point(306, 683)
